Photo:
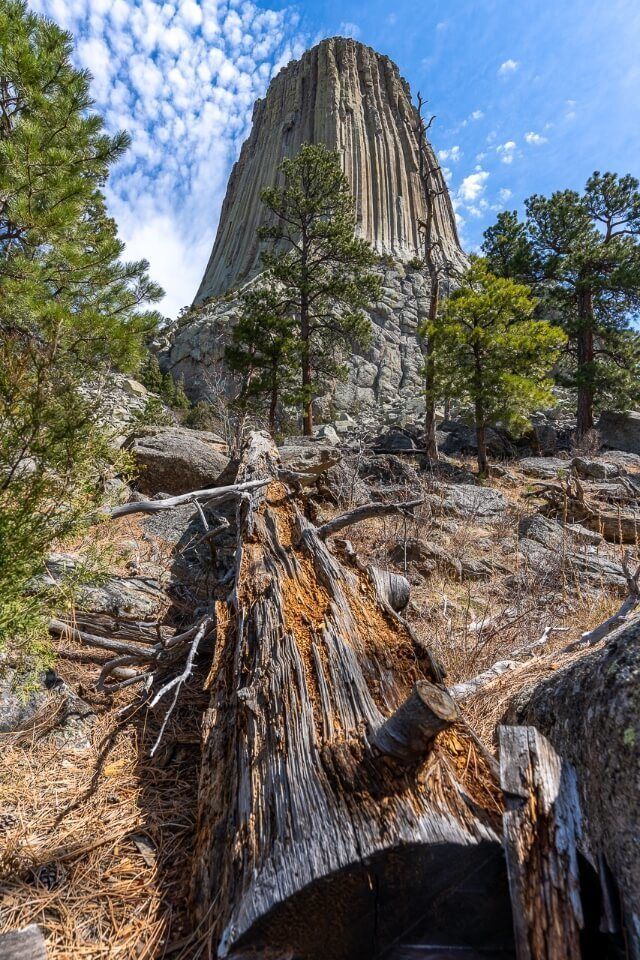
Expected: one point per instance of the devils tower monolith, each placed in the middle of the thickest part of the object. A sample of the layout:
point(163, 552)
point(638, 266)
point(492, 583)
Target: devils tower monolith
point(354, 100)
point(347, 96)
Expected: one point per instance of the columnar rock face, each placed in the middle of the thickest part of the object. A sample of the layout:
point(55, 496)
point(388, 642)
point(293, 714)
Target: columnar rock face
point(354, 100)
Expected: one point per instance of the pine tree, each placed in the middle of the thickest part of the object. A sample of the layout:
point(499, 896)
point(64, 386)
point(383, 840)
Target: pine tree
point(318, 265)
point(264, 350)
point(581, 252)
point(69, 307)
point(490, 352)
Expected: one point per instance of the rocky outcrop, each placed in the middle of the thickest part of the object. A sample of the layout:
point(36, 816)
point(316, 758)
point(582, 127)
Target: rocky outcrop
point(353, 99)
point(347, 96)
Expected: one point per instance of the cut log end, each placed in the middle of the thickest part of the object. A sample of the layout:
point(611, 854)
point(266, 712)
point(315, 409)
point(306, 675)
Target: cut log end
point(408, 735)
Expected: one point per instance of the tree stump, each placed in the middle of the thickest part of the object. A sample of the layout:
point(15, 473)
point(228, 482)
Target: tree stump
point(295, 849)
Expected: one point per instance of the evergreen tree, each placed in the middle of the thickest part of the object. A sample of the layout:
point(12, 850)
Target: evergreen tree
point(69, 307)
point(582, 254)
point(264, 350)
point(318, 265)
point(490, 352)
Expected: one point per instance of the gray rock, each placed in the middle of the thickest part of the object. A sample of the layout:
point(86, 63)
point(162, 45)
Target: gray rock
point(396, 440)
point(138, 596)
point(473, 502)
point(327, 433)
point(23, 698)
point(176, 460)
point(133, 388)
point(309, 457)
point(628, 463)
point(543, 468)
point(595, 469)
point(620, 431)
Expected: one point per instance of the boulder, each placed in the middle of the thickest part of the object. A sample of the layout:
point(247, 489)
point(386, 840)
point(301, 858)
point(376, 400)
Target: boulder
point(469, 501)
point(389, 470)
point(590, 711)
point(396, 440)
point(136, 596)
point(176, 460)
point(327, 433)
point(595, 469)
point(457, 437)
point(309, 457)
point(627, 463)
point(543, 468)
point(620, 431)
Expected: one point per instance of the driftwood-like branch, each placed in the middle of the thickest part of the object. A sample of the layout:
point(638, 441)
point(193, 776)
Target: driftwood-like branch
point(541, 825)
point(366, 512)
point(569, 500)
point(205, 496)
point(469, 688)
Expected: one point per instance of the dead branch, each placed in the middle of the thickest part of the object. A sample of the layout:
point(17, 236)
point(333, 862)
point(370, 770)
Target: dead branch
point(177, 682)
point(365, 512)
point(598, 633)
point(206, 496)
point(470, 687)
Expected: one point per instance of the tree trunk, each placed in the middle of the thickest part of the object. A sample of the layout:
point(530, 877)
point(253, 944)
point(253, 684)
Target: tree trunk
point(273, 406)
point(481, 439)
point(586, 357)
point(481, 426)
point(313, 835)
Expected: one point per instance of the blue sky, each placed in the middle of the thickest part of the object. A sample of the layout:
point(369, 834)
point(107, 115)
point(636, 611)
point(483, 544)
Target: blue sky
point(529, 97)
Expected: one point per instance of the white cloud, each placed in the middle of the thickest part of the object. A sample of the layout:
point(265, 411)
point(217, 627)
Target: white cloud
point(442, 25)
point(509, 66)
point(454, 154)
point(473, 186)
point(476, 115)
point(349, 30)
point(535, 138)
point(507, 151)
point(505, 193)
point(181, 77)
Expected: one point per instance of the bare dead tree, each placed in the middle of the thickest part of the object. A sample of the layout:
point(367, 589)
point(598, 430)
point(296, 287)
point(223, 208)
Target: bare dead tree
point(432, 188)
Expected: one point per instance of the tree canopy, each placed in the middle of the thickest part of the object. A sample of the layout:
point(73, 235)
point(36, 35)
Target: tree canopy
point(491, 354)
point(70, 307)
point(581, 253)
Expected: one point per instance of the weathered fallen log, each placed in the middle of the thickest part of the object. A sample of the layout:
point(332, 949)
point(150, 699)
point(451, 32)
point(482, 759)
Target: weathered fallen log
point(336, 800)
point(541, 825)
